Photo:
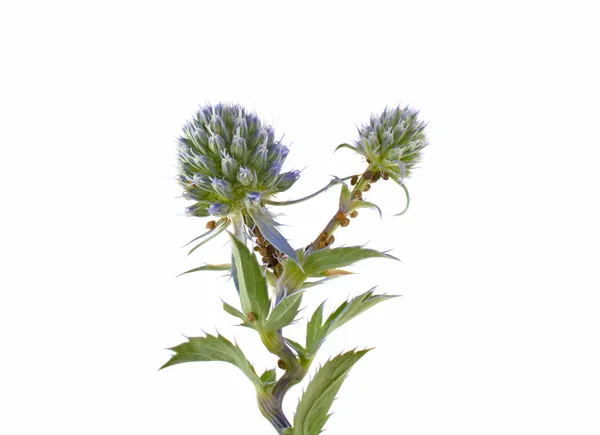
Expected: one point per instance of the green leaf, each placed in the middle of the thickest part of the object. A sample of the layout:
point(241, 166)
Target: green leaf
point(350, 309)
point(211, 348)
point(297, 347)
point(267, 226)
point(313, 329)
point(316, 332)
point(284, 312)
point(268, 377)
point(345, 198)
point(325, 259)
point(217, 267)
point(366, 204)
point(212, 234)
point(312, 412)
point(399, 182)
point(288, 431)
point(252, 285)
point(345, 145)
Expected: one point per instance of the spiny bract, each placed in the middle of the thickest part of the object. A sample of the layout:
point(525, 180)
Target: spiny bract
point(393, 141)
point(228, 161)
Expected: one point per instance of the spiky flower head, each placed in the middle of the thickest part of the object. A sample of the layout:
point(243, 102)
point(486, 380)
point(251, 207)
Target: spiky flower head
point(392, 141)
point(227, 158)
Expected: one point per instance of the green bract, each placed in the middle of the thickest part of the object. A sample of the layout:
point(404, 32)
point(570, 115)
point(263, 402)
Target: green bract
point(229, 161)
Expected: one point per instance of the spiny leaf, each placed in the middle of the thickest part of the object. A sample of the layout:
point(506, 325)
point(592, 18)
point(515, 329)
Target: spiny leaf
point(398, 181)
point(316, 332)
point(252, 285)
point(326, 259)
point(350, 309)
point(284, 312)
point(218, 224)
point(296, 346)
point(345, 198)
point(313, 328)
point(312, 412)
point(214, 233)
point(312, 195)
point(366, 204)
point(345, 145)
point(268, 377)
point(212, 348)
point(267, 227)
point(216, 267)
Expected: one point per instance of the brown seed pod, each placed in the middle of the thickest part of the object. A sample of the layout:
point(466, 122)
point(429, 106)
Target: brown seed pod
point(273, 262)
point(263, 251)
point(368, 160)
point(260, 239)
point(256, 231)
point(354, 180)
point(211, 225)
point(330, 240)
point(339, 216)
point(281, 364)
point(354, 214)
point(251, 317)
point(271, 250)
point(321, 245)
point(376, 177)
point(368, 175)
point(266, 259)
point(385, 175)
point(256, 248)
point(322, 236)
point(367, 188)
point(357, 195)
point(345, 222)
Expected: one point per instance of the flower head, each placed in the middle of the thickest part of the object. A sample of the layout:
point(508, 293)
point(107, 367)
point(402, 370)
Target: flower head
point(225, 154)
point(393, 140)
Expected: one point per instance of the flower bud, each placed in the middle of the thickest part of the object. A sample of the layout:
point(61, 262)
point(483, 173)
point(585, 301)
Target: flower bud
point(229, 166)
point(218, 209)
point(205, 163)
point(222, 188)
point(238, 148)
point(252, 199)
point(246, 176)
point(216, 144)
point(287, 180)
point(202, 181)
point(258, 160)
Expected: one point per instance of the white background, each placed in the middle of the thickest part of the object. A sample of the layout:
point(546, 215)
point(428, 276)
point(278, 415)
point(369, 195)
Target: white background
point(497, 331)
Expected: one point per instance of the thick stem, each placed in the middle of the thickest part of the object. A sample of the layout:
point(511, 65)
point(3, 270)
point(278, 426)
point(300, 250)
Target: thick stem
point(272, 410)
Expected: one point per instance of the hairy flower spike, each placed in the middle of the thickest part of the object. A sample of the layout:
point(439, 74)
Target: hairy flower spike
point(393, 141)
point(224, 154)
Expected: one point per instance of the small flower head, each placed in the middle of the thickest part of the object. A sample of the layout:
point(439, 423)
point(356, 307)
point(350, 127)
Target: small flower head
point(392, 141)
point(227, 153)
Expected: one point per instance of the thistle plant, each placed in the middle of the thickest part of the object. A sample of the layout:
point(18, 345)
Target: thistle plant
point(230, 165)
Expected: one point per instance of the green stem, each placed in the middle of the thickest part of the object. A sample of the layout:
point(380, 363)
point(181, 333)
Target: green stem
point(239, 228)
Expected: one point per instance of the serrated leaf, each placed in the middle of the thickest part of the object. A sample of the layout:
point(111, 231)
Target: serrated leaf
point(317, 332)
point(312, 412)
point(284, 312)
point(350, 309)
point(268, 228)
point(229, 309)
point(326, 259)
point(214, 267)
point(212, 348)
point(251, 283)
point(313, 328)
